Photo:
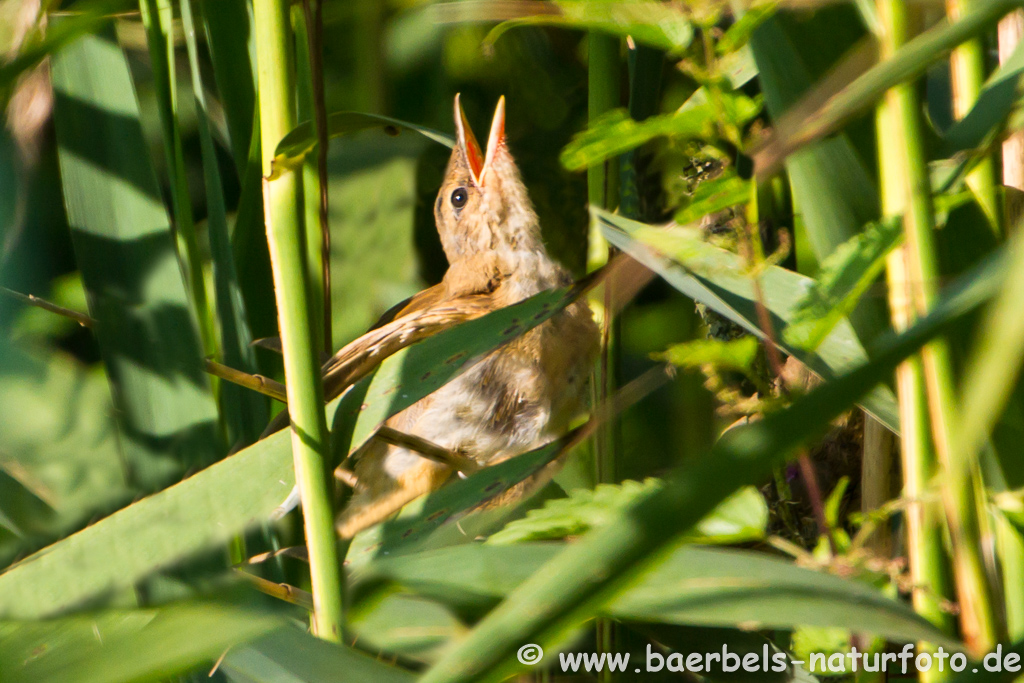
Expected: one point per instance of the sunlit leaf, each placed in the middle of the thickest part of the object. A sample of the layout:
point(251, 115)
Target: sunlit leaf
point(720, 280)
point(736, 354)
point(842, 280)
point(615, 132)
point(651, 23)
point(715, 195)
point(741, 517)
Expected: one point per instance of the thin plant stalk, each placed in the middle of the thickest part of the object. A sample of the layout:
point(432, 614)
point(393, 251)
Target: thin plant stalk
point(602, 96)
point(928, 569)
point(157, 16)
point(315, 33)
point(959, 473)
point(301, 349)
point(876, 479)
point(967, 67)
point(1011, 30)
point(311, 184)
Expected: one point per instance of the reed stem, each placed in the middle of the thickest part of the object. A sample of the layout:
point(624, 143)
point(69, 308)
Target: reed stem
point(300, 347)
point(928, 570)
point(967, 68)
point(904, 153)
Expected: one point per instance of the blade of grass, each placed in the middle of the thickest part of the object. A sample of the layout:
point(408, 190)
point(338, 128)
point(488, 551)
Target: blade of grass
point(693, 585)
point(545, 608)
point(833, 192)
point(718, 279)
point(981, 127)
point(231, 43)
point(301, 349)
point(229, 37)
point(844, 277)
point(146, 328)
point(157, 17)
point(126, 645)
point(245, 412)
point(994, 364)
point(296, 657)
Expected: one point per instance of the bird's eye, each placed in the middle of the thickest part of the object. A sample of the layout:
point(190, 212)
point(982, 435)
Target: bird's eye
point(459, 197)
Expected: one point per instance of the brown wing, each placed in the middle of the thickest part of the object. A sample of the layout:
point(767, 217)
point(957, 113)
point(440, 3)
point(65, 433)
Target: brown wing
point(424, 315)
point(416, 302)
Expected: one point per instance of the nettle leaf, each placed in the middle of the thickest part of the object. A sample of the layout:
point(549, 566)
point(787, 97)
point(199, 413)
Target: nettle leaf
point(723, 192)
point(615, 132)
point(843, 279)
point(737, 354)
point(738, 35)
point(651, 23)
point(741, 517)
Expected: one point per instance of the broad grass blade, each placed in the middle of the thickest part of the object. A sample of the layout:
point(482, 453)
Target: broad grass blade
point(124, 247)
point(718, 279)
point(126, 645)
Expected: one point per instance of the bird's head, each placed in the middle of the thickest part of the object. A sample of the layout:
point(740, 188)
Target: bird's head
point(482, 205)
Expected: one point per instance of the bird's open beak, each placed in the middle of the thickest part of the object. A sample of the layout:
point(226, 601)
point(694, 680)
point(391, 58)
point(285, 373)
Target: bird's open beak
point(478, 162)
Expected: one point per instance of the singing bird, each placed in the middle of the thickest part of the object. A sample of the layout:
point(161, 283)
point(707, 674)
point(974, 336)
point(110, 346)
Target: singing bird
point(519, 396)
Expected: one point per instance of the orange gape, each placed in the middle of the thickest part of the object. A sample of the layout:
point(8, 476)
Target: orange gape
point(517, 397)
